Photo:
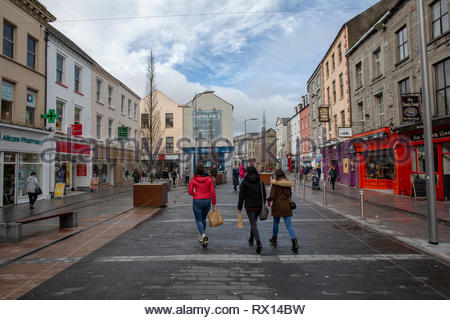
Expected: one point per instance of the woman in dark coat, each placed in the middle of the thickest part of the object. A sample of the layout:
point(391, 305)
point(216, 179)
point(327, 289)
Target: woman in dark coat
point(235, 177)
point(136, 176)
point(280, 195)
point(253, 192)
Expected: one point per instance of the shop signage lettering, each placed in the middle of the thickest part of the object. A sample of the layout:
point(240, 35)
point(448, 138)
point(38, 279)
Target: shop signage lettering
point(8, 138)
point(345, 132)
point(324, 114)
point(207, 123)
point(444, 133)
point(122, 133)
point(411, 108)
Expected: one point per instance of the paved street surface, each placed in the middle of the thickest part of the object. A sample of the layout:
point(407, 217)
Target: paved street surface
point(161, 258)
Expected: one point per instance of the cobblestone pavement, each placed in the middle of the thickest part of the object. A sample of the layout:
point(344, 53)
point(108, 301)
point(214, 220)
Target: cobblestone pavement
point(161, 258)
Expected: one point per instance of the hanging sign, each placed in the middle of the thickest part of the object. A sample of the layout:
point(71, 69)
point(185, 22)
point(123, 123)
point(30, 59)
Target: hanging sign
point(345, 132)
point(410, 106)
point(77, 129)
point(324, 114)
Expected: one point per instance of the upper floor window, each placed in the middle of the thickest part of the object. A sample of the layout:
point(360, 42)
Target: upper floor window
point(404, 86)
point(77, 76)
point(442, 73)
point(31, 106)
point(402, 44)
point(169, 120)
point(110, 128)
point(59, 68)
point(129, 107)
point(98, 88)
point(340, 53)
point(333, 63)
point(60, 111)
point(8, 39)
point(99, 127)
point(341, 84)
point(377, 62)
point(31, 52)
point(144, 120)
point(77, 115)
point(439, 18)
point(379, 101)
point(334, 91)
point(361, 111)
point(169, 144)
point(358, 73)
point(328, 96)
point(7, 100)
point(135, 111)
point(328, 69)
point(110, 90)
point(343, 118)
point(122, 103)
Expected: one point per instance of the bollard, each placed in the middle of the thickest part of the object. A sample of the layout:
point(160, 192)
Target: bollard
point(304, 189)
point(361, 198)
point(324, 193)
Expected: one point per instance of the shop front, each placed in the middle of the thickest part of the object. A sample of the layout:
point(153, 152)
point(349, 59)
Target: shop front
point(219, 156)
point(20, 155)
point(341, 156)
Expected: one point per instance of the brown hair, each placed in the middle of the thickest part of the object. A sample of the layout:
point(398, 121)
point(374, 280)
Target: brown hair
point(279, 174)
point(199, 169)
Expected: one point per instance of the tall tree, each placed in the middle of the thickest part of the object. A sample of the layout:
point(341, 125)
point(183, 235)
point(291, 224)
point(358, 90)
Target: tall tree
point(151, 128)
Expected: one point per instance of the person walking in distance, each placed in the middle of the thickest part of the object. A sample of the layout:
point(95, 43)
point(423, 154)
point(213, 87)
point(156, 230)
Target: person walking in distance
point(202, 189)
point(235, 177)
point(252, 192)
point(186, 175)
point(214, 174)
point(136, 176)
point(280, 195)
point(33, 188)
point(332, 173)
point(241, 174)
point(174, 177)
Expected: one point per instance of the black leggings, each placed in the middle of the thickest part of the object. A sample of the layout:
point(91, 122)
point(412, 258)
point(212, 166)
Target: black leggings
point(253, 218)
point(32, 197)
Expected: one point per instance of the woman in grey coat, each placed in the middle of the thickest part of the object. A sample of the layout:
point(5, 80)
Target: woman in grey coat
point(32, 188)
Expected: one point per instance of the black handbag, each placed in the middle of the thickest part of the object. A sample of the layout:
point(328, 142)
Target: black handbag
point(264, 210)
point(38, 191)
point(293, 205)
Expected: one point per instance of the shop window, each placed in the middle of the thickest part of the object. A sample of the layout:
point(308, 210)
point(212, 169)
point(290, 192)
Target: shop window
point(420, 152)
point(380, 164)
point(8, 39)
point(439, 18)
point(31, 52)
point(60, 112)
point(7, 100)
point(169, 120)
point(31, 106)
point(28, 163)
point(101, 172)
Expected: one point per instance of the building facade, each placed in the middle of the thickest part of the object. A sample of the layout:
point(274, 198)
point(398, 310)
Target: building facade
point(23, 134)
point(295, 139)
point(318, 131)
point(305, 129)
point(263, 150)
point(208, 132)
point(282, 145)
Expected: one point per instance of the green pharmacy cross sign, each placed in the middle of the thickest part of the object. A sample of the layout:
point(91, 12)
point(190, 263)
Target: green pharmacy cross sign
point(51, 116)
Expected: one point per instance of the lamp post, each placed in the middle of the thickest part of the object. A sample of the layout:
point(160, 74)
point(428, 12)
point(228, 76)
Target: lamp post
point(246, 138)
point(194, 105)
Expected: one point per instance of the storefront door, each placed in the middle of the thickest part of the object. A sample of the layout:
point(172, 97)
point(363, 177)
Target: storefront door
point(9, 184)
point(446, 169)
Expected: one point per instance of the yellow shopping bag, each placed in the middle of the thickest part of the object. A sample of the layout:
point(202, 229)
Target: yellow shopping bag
point(215, 218)
point(240, 221)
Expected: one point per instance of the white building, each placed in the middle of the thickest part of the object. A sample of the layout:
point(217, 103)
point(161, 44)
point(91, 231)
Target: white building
point(282, 141)
point(295, 138)
point(69, 95)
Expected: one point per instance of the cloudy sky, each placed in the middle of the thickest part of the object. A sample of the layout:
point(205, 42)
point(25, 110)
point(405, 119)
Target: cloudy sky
point(256, 54)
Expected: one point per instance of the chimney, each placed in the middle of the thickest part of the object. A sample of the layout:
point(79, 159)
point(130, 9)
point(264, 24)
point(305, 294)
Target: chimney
point(304, 100)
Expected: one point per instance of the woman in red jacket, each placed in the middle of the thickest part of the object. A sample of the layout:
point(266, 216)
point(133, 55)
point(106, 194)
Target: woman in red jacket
point(202, 189)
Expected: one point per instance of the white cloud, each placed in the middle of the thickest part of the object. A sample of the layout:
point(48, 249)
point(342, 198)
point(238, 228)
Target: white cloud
point(254, 61)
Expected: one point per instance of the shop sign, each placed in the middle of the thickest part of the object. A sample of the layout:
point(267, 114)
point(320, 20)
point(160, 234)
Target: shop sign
point(410, 105)
point(59, 190)
point(81, 170)
point(31, 98)
point(345, 165)
point(324, 114)
point(207, 123)
point(77, 129)
point(122, 132)
point(444, 133)
point(9, 138)
point(345, 132)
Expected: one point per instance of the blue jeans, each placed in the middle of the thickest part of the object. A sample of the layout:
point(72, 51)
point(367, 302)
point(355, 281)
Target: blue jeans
point(287, 222)
point(201, 208)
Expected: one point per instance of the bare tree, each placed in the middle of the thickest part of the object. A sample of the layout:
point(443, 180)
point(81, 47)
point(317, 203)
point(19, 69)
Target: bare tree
point(151, 128)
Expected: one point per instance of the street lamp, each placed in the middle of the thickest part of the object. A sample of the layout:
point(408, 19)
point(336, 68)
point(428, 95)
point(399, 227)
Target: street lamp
point(246, 138)
point(194, 104)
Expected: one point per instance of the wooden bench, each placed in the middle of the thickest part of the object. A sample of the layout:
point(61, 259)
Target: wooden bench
point(12, 231)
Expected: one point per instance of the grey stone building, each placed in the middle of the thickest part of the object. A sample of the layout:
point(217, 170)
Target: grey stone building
point(318, 131)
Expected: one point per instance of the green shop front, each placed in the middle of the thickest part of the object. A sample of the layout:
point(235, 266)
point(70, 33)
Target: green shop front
point(21, 153)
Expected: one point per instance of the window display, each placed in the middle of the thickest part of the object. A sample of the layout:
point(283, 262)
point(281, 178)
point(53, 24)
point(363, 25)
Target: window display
point(380, 164)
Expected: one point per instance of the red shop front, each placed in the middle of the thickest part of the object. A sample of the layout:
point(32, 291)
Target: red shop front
point(381, 158)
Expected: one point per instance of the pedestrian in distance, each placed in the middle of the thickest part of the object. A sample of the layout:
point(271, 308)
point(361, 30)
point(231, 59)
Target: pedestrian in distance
point(214, 174)
point(235, 177)
point(174, 177)
point(165, 174)
point(33, 189)
point(144, 175)
point(241, 174)
point(136, 176)
point(319, 172)
point(252, 194)
point(280, 196)
point(202, 189)
point(186, 175)
point(332, 173)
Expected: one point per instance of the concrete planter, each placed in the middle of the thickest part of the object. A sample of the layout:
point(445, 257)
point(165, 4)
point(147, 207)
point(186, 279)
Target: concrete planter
point(147, 194)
